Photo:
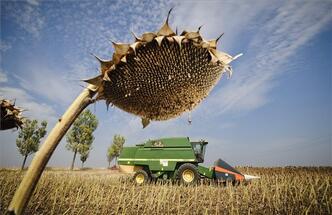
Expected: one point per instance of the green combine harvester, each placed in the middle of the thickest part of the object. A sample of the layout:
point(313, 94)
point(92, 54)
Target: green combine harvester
point(175, 158)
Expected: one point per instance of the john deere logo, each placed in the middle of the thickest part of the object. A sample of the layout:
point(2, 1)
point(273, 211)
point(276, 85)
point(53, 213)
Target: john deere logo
point(157, 144)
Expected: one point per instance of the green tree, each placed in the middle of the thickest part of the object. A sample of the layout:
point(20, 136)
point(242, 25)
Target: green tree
point(80, 137)
point(29, 137)
point(115, 148)
point(84, 151)
point(110, 154)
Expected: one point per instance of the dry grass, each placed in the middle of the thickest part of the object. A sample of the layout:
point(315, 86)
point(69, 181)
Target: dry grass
point(279, 191)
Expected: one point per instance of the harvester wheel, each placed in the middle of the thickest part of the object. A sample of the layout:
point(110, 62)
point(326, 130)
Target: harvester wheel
point(188, 174)
point(141, 177)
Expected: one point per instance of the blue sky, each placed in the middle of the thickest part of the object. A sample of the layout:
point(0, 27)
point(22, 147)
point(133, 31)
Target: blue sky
point(274, 111)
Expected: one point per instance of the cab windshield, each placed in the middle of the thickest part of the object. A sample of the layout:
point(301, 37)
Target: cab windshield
point(199, 149)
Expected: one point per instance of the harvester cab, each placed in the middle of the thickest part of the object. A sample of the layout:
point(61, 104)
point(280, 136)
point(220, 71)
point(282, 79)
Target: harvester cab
point(199, 150)
point(175, 158)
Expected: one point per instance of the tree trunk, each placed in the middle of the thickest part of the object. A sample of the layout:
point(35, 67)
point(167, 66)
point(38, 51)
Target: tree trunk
point(73, 162)
point(116, 161)
point(82, 164)
point(109, 164)
point(37, 166)
point(25, 159)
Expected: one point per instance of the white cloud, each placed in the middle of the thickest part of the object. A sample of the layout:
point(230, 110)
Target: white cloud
point(49, 84)
point(33, 2)
point(26, 15)
point(3, 76)
point(229, 17)
point(4, 46)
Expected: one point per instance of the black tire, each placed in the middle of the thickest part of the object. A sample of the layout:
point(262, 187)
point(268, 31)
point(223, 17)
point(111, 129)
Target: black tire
point(141, 177)
point(188, 174)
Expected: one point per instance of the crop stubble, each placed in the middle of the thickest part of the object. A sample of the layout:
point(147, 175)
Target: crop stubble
point(291, 190)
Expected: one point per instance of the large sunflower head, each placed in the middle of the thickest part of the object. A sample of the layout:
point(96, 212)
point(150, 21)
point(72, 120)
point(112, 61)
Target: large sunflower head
point(162, 74)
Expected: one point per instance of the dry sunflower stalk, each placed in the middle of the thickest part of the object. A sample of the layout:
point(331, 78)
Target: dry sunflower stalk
point(10, 115)
point(161, 75)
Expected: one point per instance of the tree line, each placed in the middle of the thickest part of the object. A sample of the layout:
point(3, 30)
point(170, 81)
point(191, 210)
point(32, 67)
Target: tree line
point(79, 139)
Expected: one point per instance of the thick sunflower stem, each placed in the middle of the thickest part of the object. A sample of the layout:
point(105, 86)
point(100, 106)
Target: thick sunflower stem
point(31, 178)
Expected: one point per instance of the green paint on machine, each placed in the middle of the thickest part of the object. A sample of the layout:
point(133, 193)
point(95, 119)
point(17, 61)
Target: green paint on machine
point(207, 172)
point(162, 155)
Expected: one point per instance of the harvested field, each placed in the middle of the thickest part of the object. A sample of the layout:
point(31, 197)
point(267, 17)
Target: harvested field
point(290, 190)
